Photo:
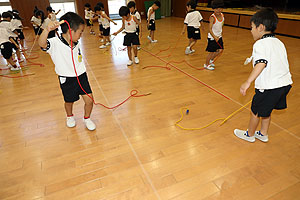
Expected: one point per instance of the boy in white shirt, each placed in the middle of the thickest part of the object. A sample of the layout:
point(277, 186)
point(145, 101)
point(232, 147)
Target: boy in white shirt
point(131, 39)
point(133, 11)
point(151, 20)
point(88, 15)
point(271, 74)
point(192, 23)
point(59, 49)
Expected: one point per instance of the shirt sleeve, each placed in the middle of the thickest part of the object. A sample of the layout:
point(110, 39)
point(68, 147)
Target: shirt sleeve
point(200, 17)
point(50, 45)
point(259, 54)
point(186, 20)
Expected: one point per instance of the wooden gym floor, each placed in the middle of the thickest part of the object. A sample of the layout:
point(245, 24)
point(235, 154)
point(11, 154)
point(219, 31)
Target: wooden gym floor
point(136, 151)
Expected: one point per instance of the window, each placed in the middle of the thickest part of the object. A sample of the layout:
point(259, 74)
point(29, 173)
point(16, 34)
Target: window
point(4, 6)
point(63, 5)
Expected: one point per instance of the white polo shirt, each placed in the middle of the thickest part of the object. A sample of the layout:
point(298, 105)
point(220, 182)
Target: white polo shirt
point(152, 16)
point(60, 53)
point(36, 21)
point(4, 35)
point(271, 51)
point(9, 27)
point(193, 18)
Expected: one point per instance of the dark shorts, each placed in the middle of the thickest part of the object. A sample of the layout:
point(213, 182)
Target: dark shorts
point(138, 30)
point(71, 89)
point(106, 31)
point(88, 22)
point(37, 30)
point(101, 28)
point(213, 46)
point(193, 33)
point(263, 103)
point(51, 34)
point(20, 34)
point(151, 26)
point(131, 39)
point(7, 49)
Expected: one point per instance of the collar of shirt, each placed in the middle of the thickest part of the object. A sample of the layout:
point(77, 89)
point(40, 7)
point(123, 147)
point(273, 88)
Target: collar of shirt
point(66, 43)
point(268, 35)
point(191, 11)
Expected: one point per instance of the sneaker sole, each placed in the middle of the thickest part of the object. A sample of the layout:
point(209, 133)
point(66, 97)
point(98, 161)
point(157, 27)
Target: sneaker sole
point(242, 138)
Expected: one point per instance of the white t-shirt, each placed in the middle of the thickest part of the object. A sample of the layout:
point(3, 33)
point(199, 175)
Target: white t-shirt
point(271, 51)
point(105, 23)
point(88, 14)
point(36, 21)
point(9, 27)
point(130, 25)
point(152, 16)
point(4, 35)
point(193, 18)
point(217, 27)
point(45, 23)
point(17, 24)
point(52, 16)
point(138, 17)
point(60, 53)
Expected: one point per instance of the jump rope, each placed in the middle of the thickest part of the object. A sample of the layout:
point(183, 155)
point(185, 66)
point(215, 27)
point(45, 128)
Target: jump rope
point(133, 93)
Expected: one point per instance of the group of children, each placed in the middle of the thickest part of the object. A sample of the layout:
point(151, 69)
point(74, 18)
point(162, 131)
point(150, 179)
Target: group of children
point(270, 63)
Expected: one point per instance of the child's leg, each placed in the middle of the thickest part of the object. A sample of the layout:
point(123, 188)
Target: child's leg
point(11, 62)
point(88, 105)
point(129, 52)
point(209, 57)
point(265, 123)
point(69, 108)
point(22, 43)
point(18, 53)
point(135, 50)
point(192, 43)
point(253, 123)
point(108, 39)
point(152, 35)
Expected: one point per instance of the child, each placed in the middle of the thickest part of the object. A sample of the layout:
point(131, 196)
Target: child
point(59, 50)
point(215, 42)
point(36, 21)
point(270, 72)
point(105, 22)
point(6, 24)
point(16, 22)
point(131, 38)
point(7, 44)
point(133, 11)
point(88, 15)
point(100, 4)
point(51, 13)
point(151, 20)
point(192, 23)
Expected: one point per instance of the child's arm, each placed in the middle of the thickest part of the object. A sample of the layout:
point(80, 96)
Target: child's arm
point(119, 31)
point(136, 20)
point(184, 28)
point(12, 41)
point(109, 19)
point(211, 22)
point(57, 12)
point(148, 20)
point(202, 25)
point(254, 74)
point(43, 37)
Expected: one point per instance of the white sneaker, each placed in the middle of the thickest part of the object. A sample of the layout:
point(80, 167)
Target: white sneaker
point(130, 62)
point(107, 44)
point(193, 51)
point(102, 46)
point(15, 68)
point(211, 62)
point(149, 38)
point(136, 60)
point(154, 41)
point(71, 122)
point(138, 48)
point(89, 124)
point(244, 135)
point(261, 137)
point(209, 67)
point(188, 50)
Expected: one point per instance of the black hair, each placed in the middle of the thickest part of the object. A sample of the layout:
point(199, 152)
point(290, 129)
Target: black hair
point(97, 8)
point(266, 17)
point(16, 14)
point(7, 15)
point(124, 11)
point(73, 19)
point(35, 9)
point(40, 13)
point(157, 3)
point(49, 8)
point(131, 4)
point(100, 4)
point(217, 4)
point(87, 5)
point(192, 3)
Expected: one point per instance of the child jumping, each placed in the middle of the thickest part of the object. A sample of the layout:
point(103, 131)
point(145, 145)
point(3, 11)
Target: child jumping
point(271, 75)
point(151, 20)
point(59, 50)
point(131, 39)
point(192, 23)
point(215, 42)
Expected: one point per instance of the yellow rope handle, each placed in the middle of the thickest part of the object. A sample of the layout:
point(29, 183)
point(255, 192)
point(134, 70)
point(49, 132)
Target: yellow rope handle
point(224, 119)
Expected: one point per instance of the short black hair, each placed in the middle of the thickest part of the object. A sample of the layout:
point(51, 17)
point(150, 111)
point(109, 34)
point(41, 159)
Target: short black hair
point(16, 14)
point(131, 4)
point(87, 5)
point(157, 3)
point(97, 8)
point(266, 17)
point(73, 19)
point(217, 4)
point(192, 3)
point(100, 4)
point(124, 11)
point(7, 15)
point(49, 8)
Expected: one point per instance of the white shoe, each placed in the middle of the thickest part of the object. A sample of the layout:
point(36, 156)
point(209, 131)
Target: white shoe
point(244, 135)
point(102, 40)
point(261, 137)
point(71, 122)
point(136, 60)
point(138, 48)
point(154, 41)
point(102, 46)
point(15, 68)
point(209, 67)
point(188, 50)
point(130, 62)
point(107, 44)
point(149, 38)
point(211, 62)
point(89, 124)
point(193, 51)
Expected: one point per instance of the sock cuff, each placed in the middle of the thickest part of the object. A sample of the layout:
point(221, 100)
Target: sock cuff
point(70, 115)
point(86, 117)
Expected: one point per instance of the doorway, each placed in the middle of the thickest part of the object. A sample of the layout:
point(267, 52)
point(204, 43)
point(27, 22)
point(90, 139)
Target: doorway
point(114, 6)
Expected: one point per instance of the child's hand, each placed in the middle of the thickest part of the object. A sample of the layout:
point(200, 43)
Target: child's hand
point(115, 23)
point(53, 25)
point(244, 88)
point(115, 34)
